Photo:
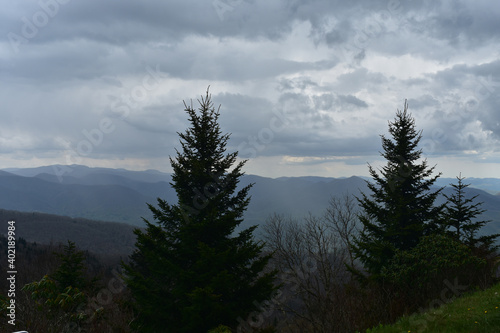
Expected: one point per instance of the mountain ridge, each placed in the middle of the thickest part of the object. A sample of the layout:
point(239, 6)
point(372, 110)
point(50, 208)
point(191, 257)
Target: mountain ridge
point(100, 237)
point(121, 195)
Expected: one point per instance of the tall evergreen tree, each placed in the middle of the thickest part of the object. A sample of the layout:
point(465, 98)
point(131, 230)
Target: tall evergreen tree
point(461, 215)
point(401, 207)
point(190, 271)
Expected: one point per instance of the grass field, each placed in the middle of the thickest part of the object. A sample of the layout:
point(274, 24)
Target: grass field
point(474, 312)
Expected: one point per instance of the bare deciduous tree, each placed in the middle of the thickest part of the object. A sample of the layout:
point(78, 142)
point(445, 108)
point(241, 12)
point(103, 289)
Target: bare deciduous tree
point(311, 256)
point(342, 214)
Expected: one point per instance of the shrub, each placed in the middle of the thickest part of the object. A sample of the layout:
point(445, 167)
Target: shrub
point(417, 276)
point(220, 329)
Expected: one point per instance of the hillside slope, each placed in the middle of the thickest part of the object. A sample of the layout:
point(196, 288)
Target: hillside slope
point(476, 312)
point(95, 236)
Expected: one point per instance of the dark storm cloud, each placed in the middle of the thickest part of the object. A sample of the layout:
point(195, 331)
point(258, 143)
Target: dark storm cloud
point(479, 102)
point(490, 115)
point(330, 72)
point(310, 126)
point(127, 22)
point(422, 102)
point(361, 78)
point(89, 60)
point(336, 102)
point(296, 83)
point(243, 115)
point(350, 99)
point(467, 23)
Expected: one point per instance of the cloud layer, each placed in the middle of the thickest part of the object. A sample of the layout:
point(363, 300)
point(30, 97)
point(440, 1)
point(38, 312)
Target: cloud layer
point(306, 87)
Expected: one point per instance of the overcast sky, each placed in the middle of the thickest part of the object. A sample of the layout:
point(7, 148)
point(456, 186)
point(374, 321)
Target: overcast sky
point(305, 87)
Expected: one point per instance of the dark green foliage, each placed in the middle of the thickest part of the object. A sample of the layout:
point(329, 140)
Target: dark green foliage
point(43, 307)
point(401, 207)
point(220, 329)
point(56, 303)
point(190, 273)
point(61, 296)
point(429, 271)
point(71, 271)
point(461, 219)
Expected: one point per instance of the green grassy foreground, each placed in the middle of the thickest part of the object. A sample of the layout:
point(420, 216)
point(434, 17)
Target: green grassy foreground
point(475, 312)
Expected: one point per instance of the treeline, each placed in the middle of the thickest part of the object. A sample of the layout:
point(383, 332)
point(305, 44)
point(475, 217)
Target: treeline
point(96, 236)
point(367, 260)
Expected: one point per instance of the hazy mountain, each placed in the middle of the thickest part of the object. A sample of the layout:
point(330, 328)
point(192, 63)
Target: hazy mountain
point(100, 202)
point(296, 197)
point(491, 205)
point(63, 172)
point(121, 195)
point(490, 185)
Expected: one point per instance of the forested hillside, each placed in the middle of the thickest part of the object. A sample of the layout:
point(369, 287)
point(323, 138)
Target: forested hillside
point(95, 236)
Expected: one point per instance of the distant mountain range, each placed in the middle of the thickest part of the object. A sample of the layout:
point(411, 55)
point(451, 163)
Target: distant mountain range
point(120, 195)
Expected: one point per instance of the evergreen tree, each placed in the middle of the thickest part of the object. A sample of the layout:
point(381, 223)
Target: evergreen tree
point(71, 272)
point(191, 271)
point(62, 296)
point(401, 207)
point(461, 216)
